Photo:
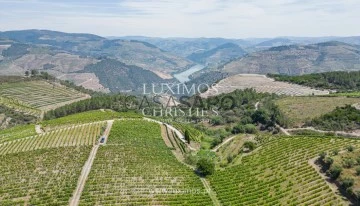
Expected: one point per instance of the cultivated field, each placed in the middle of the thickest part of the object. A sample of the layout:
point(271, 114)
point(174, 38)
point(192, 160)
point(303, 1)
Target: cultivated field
point(85, 117)
point(41, 177)
point(260, 83)
point(40, 94)
point(279, 174)
point(300, 109)
point(17, 105)
point(135, 167)
point(72, 136)
point(17, 133)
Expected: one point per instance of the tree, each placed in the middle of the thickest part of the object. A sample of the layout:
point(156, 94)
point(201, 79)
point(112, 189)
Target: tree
point(187, 136)
point(334, 171)
point(347, 182)
point(34, 72)
point(205, 166)
point(322, 155)
point(249, 145)
point(27, 73)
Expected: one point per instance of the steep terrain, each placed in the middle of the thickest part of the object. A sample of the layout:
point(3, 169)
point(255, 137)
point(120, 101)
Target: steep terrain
point(297, 59)
point(187, 46)
point(137, 53)
point(118, 76)
point(220, 54)
point(69, 57)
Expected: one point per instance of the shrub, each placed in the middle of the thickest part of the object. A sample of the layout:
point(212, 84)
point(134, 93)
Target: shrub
point(249, 145)
point(348, 163)
point(250, 129)
point(205, 166)
point(350, 148)
point(347, 182)
point(322, 155)
point(334, 171)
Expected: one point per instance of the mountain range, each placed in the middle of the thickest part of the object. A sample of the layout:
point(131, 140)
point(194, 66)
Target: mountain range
point(116, 64)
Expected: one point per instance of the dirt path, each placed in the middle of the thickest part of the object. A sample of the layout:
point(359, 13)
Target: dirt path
point(74, 201)
point(283, 130)
point(107, 130)
point(83, 177)
point(354, 134)
point(38, 129)
point(223, 143)
point(211, 193)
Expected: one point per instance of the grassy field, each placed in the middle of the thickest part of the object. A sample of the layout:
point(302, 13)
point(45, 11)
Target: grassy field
point(135, 167)
point(279, 174)
point(40, 94)
point(300, 109)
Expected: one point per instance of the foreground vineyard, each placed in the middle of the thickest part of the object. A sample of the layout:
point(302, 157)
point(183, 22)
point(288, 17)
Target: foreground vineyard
point(86, 117)
point(279, 173)
point(17, 133)
point(39, 94)
point(41, 177)
point(72, 136)
point(136, 168)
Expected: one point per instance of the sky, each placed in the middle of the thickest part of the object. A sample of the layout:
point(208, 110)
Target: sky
point(186, 18)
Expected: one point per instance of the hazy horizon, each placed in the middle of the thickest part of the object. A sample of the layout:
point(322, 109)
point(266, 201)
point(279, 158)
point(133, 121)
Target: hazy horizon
point(190, 19)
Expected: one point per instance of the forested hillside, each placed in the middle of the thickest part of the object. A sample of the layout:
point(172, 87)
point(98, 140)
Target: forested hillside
point(339, 80)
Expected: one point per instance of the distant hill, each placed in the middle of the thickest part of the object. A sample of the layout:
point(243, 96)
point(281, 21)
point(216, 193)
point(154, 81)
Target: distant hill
point(222, 53)
point(137, 53)
point(299, 59)
point(119, 77)
point(187, 46)
point(275, 42)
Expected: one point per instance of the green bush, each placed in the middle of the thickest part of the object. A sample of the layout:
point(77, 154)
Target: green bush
point(205, 166)
point(334, 172)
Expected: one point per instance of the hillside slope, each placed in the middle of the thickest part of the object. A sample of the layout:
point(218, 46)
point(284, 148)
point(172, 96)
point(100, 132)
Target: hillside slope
point(137, 53)
point(222, 53)
point(296, 59)
point(118, 76)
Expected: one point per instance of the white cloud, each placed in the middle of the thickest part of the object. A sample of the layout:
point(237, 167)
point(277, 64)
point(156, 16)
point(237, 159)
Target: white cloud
point(189, 18)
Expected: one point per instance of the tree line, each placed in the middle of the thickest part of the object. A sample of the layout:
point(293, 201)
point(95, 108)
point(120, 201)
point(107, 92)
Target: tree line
point(340, 80)
point(116, 102)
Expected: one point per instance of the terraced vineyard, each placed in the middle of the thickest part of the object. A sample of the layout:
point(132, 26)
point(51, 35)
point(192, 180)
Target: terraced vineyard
point(17, 133)
point(195, 135)
point(85, 117)
point(40, 94)
point(19, 106)
point(279, 174)
point(261, 84)
point(41, 177)
point(135, 167)
point(72, 136)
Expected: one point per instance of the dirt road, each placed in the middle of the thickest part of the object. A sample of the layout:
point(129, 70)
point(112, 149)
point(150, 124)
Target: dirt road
point(74, 201)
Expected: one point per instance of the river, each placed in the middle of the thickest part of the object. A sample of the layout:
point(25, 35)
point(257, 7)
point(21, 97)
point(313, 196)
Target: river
point(184, 76)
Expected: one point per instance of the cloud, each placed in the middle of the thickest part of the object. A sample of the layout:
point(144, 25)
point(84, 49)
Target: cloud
point(187, 18)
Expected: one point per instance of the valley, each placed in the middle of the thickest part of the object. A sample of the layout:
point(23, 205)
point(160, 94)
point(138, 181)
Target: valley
point(74, 132)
